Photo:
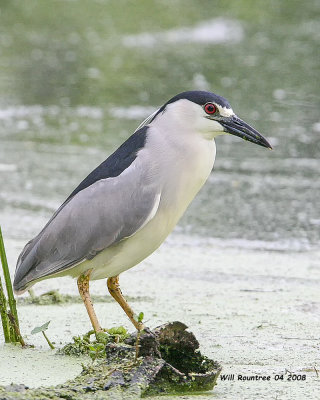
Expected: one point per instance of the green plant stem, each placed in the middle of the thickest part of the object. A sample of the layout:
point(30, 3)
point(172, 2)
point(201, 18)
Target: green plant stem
point(4, 315)
point(16, 329)
point(6, 273)
point(48, 341)
point(137, 346)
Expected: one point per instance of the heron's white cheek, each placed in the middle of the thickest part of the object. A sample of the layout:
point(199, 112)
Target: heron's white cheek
point(210, 129)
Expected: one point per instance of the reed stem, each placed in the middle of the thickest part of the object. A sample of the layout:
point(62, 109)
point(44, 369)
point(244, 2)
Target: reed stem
point(13, 337)
point(4, 315)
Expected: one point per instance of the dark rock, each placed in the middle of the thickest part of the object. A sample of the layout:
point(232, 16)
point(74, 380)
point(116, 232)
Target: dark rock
point(148, 343)
point(176, 335)
point(172, 362)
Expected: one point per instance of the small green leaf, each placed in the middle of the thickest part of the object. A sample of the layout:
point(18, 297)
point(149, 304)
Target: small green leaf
point(41, 328)
point(140, 317)
point(119, 330)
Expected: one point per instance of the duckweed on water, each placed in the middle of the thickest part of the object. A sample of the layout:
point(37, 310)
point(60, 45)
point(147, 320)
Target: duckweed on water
point(55, 297)
point(95, 348)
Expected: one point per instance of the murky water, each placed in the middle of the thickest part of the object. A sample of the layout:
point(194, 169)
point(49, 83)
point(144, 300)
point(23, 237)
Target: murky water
point(75, 82)
point(71, 91)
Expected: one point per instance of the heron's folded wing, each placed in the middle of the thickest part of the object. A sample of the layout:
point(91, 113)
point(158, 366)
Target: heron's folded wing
point(102, 214)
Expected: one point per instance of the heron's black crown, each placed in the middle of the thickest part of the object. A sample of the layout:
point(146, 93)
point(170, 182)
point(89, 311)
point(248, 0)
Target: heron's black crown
point(200, 97)
point(196, 96)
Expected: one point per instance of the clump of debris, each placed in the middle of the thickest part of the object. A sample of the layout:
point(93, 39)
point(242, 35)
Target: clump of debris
point(166, 360)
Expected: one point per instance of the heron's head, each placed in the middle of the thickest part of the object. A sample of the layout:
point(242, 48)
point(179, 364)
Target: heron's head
point(207, 114)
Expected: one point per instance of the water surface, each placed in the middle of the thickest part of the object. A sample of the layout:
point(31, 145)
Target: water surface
point(76, 81)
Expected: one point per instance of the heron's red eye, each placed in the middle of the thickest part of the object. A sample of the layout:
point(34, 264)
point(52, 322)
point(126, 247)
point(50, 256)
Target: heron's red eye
point(210, 108)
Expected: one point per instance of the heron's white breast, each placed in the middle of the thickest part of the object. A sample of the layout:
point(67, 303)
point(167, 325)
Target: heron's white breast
point(180, 169)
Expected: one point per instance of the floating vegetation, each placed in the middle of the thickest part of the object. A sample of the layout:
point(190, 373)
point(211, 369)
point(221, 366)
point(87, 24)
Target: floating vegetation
point(169, 362)
point(95, 348)
point(55, 297)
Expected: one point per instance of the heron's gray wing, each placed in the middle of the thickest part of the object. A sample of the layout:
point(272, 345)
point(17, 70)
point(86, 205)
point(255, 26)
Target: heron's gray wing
point(95, 218)
point(113, 166)
point(112, 203)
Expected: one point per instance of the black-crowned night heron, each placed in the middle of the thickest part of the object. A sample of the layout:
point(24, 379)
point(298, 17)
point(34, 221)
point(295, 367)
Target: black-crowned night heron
point(125, 208)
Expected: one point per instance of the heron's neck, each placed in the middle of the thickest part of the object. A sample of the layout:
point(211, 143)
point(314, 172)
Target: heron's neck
point(182, 165)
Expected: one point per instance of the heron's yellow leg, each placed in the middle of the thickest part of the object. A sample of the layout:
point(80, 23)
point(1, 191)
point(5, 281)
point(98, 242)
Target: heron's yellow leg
point(83, 287)
point(115, 291)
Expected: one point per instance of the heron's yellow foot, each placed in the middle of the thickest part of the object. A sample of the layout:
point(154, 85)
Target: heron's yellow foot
point(83, 287)
point(115, 291)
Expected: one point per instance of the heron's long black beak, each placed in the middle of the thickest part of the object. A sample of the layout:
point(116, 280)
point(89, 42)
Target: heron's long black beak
point(237, 127)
